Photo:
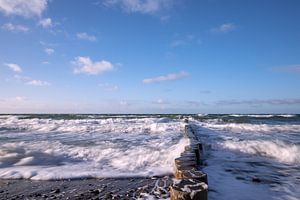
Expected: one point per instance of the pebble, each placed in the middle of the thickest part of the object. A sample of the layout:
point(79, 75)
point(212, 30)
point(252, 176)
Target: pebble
point(94, 191)
point(37, 194)
point(162, 192)
point(256, 180)
point(108, 196)
point(56, 191)
point(240, 178)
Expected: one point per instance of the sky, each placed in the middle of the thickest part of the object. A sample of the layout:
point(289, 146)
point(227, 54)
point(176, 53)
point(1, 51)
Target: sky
point(149, 56)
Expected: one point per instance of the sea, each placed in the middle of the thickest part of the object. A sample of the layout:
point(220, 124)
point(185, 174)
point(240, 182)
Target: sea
point(245, 156)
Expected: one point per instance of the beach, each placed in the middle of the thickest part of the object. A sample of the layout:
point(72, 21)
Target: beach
point(88, 156)
point(117, 188)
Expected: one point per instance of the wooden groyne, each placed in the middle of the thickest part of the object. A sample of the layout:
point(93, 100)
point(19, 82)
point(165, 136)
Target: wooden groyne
point(190, 183)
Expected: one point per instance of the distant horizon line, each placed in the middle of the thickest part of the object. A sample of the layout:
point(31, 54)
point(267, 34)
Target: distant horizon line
point(149, 113)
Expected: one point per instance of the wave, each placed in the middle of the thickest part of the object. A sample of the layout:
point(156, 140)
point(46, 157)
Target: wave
point(262, 115)
point(255, 116)
point(37, 125)
point(287, 116)
point(53, 160)
point(202, 115)
point(47, 149)
point(257, 128)
point(278, 150)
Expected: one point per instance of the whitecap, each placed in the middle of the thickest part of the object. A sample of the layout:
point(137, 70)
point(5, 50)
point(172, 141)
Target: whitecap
point(278, 150)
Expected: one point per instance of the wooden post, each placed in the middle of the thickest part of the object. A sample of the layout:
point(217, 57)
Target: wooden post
point(190, 184)
point(191, 174)
point(188, 189)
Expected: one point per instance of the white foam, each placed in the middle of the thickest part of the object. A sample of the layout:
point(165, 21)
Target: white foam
point(261, 128)
point(288, 116)
point(236, 153)
point(278, 150)
point(255, 116)
point(202, 115)
point(63, 149)
point(262, 116)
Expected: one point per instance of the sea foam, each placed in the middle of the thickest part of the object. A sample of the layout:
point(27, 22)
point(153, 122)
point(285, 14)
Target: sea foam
point(258, 128)
point(46, 149)
point(278, 150)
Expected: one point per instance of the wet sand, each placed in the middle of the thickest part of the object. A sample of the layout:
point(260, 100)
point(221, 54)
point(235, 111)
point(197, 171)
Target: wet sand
point(108, 188)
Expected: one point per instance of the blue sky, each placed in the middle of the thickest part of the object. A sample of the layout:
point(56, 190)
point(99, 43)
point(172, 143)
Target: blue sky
point(149, 56)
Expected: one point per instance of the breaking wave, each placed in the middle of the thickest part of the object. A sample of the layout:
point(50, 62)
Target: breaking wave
point(46, 149)
point(263, 116)
point(262, 128)
point(278, 150)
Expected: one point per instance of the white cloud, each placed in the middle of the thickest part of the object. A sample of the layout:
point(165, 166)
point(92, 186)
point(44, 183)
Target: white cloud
point(15, 27)
point(224, 28)
point(49, 51)
point(108, 87)
point(25, 8)
point(46, 23)
point(87, 66)
point(29, 81)
point(141, 6)
point(38, 83)
point(85, 36)
point(14, 67)
point(168, 77)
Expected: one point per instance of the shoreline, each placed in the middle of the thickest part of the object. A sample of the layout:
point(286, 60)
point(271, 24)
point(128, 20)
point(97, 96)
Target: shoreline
point(105, 188)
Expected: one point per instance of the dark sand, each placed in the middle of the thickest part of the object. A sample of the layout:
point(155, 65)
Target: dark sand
point(108, 188)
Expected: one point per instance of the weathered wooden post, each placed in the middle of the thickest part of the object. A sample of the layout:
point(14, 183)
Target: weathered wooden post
point(188, 189)
point(190, 184)
point(191, 174)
